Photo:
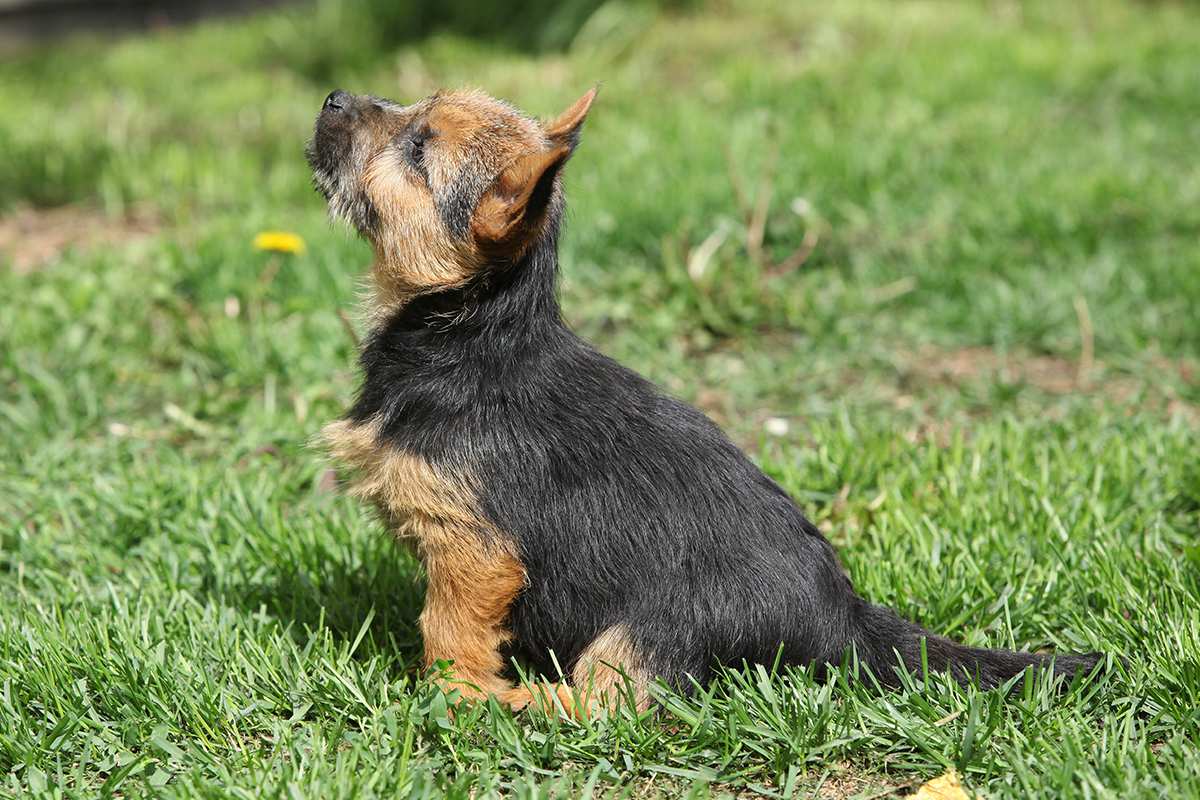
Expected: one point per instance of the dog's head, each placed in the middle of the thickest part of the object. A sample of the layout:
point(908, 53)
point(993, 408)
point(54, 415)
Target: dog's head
point(442, 187)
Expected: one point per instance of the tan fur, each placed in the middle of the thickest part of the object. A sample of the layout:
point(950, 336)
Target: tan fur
point(503, 223)
point(414, 253)
point(472, 133)
point(604, 675)
point(548, 698)
point(598, 671)
point(474, 576)
point(473, 573)
point(562, 127)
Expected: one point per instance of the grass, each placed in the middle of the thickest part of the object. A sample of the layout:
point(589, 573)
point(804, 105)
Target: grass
point(985, 373)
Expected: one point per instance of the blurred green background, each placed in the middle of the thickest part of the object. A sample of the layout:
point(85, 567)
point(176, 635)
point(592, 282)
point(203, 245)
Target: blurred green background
point(933, 264)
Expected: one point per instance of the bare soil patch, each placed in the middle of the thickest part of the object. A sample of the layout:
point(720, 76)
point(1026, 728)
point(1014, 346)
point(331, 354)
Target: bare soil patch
point(30, 237)
point(1154, 384)
point(1049, 374)
point(923, 383)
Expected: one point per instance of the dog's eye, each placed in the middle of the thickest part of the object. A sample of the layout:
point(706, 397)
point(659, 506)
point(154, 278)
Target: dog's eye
point(416, 149)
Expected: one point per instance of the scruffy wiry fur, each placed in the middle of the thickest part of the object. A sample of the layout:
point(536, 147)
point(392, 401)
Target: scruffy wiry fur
point(643, 534)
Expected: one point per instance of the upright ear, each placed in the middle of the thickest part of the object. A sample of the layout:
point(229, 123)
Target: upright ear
point(564, 130)
point(512, 210)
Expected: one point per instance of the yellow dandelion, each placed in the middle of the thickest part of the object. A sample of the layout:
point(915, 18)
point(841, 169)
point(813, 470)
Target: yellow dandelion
point(279, 242)
point(947, 787)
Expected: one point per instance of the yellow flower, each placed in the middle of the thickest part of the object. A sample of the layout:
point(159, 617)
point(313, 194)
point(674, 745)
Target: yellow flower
point(947, 787)
point(279, 242)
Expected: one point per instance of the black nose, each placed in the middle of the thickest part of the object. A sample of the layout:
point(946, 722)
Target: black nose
point(337, 100)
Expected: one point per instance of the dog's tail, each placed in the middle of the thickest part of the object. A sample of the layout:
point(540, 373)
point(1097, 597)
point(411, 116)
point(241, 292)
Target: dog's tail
point(884, 641)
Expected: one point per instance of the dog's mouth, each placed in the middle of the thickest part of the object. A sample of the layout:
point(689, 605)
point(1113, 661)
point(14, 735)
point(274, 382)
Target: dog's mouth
point(330, 147)
point(331, 155)
point(322, 181)
point(326, 153)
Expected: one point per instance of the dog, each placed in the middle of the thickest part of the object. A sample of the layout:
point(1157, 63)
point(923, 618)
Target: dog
point(567, 512)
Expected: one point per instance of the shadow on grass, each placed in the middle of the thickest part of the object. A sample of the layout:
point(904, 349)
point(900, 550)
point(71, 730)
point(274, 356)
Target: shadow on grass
point(384, 590)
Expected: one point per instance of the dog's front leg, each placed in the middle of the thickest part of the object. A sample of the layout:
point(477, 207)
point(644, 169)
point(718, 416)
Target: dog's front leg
point(472, 586)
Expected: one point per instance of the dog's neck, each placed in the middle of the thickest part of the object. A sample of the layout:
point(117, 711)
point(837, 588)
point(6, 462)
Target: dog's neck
point(461, 345)
point(504, 299)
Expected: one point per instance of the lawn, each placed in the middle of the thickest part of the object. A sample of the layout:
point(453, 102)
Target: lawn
point(964, 334)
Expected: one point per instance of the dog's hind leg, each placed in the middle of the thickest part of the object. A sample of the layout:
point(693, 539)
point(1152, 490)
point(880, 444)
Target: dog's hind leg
point(609, 672)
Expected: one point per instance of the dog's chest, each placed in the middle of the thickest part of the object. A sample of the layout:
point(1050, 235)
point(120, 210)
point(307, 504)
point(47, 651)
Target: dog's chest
point(420, 504)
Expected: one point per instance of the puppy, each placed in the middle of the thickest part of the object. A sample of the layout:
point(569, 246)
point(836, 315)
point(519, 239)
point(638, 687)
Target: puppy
point(561, 504)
